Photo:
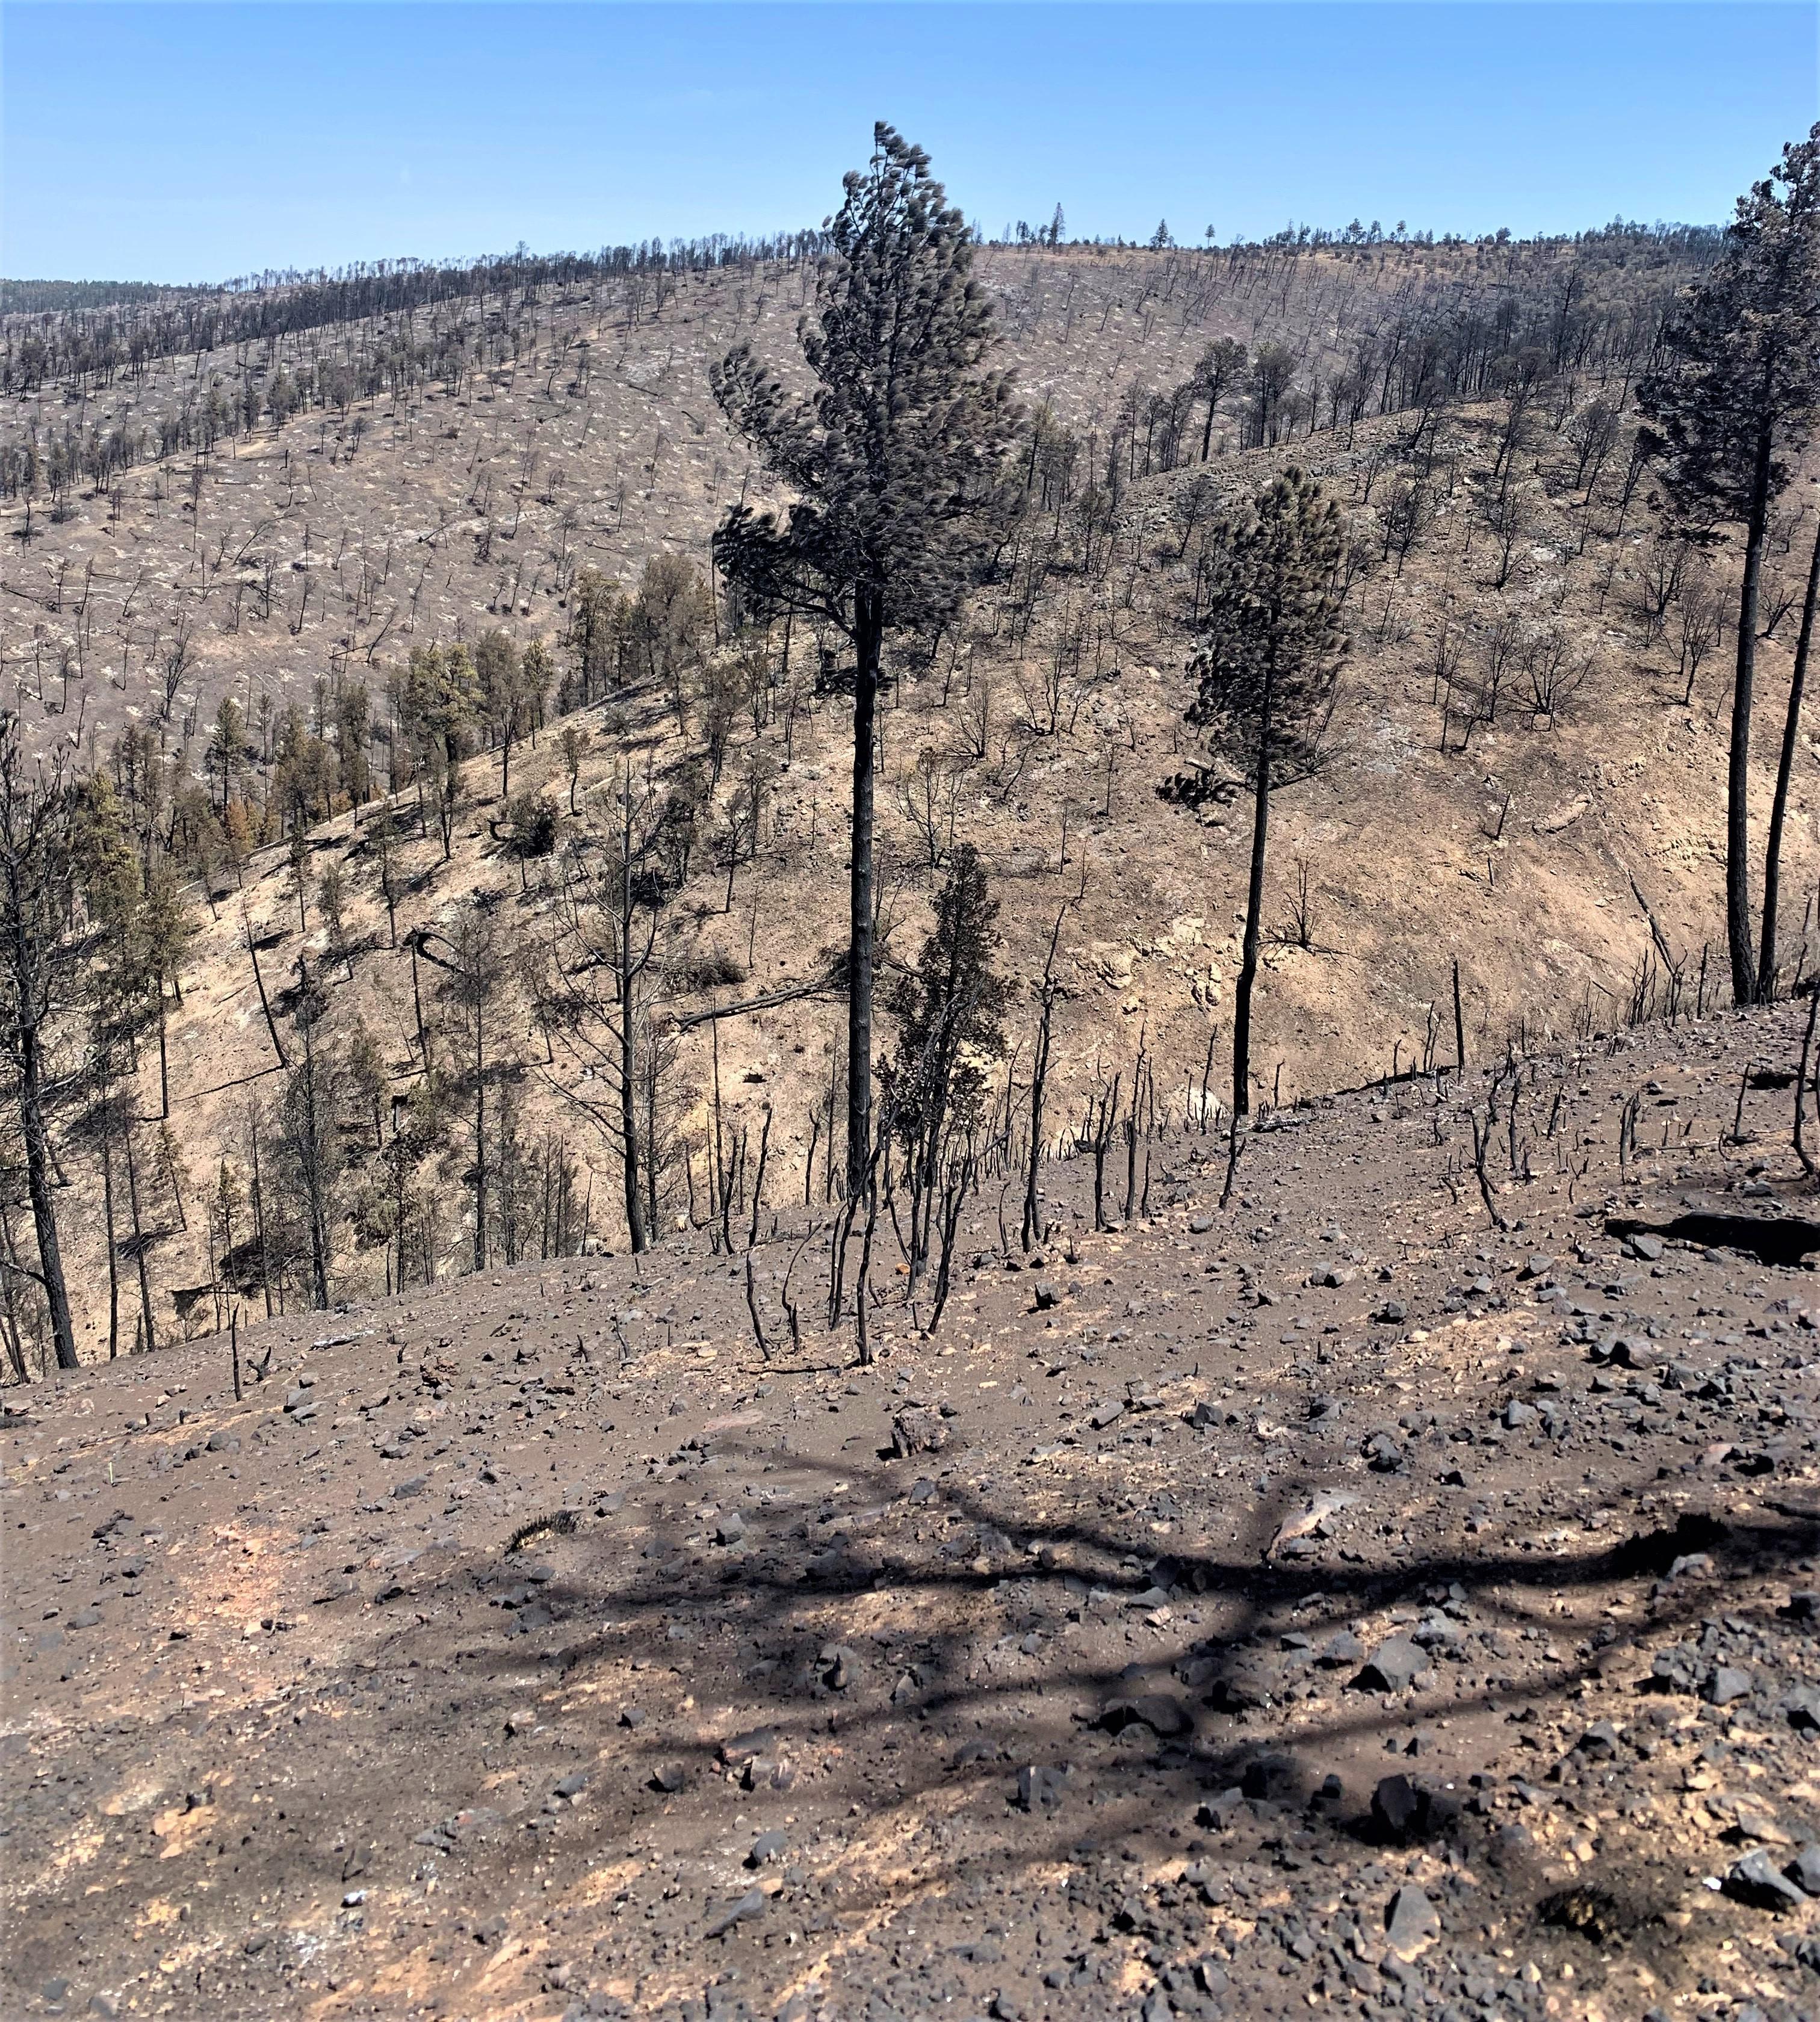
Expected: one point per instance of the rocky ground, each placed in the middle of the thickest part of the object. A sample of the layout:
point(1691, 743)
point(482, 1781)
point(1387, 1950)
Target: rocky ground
point(1334, 1600)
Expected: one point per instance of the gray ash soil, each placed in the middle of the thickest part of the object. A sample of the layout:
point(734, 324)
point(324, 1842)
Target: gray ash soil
point(1333, 1600)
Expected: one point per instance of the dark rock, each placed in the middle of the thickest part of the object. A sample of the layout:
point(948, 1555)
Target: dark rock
point(1048, 1295)
point(1803, 1708)
point(1804, 1870)
point(1726, 1684)
point(1219, 1811)
point(838, 1665)
point(1756, 1880)
point(224, 1442)
point(767, 1848)
point(1395, 1807)
point(731, 1530)
point(1538, 1266)
point(1162, 1713)
point(669, 1777)
point(750, 1905)
point(1395, 1666)
point(414, 1485)
point(1200, 1224)
point(1801, 1608)
point(1041, 1787)
point(1273, 1779)
point(1600, 1741)
point(1410, 1923)
point(1382, 1455)
point(1516, 1414)
point(1393, 1312)
point(1342, 1651)
point(1650, 1248)
point(1107, 1413)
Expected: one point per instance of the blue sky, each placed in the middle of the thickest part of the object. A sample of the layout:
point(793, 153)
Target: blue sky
point(196, 141)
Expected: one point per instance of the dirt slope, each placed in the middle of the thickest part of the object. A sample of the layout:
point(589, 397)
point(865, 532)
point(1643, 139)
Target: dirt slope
point(539, 1648)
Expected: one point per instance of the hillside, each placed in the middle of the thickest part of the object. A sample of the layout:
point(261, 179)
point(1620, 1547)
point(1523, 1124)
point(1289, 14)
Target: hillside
point(1333, 1600)
point(1527, 776)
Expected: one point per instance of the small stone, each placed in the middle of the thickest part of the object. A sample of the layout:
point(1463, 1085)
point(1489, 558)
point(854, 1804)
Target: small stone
point(520, 1721)
point(731, 1530)
point(1393, 1312)
point(1726, 1684)
point(1517, 1413)
point(1802, 1709)
point(1105, 1415)
point(916, 1432)
point(1802, 1608)
point(224, 1442)
point(1382, 1455)
point(571, 1787)
point(767, 1848)
point(839, 1665)
point(1040, 1787)
point(1218, 1812)
point(1649, 1248)
point(669, 1777)
point(1342, 1651)
point(414, 1485)
point(1804, 1870)
point(1048, 1295)
point(1198, 1224)
point(104, 2003)
point(1410, 1923)
point(1756, 1880)
point(749, 1906)
point(1538, 1266)
point(1162, 1713)
point(1393, 1667)
point(1600, 1741)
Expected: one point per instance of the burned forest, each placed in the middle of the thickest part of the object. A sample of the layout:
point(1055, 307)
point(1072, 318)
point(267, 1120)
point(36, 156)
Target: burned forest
point(904, 1123)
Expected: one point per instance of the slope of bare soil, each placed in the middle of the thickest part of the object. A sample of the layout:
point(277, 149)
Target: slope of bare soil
point(1332, 1600)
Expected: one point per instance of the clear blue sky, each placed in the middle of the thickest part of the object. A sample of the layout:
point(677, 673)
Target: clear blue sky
point(194, 141)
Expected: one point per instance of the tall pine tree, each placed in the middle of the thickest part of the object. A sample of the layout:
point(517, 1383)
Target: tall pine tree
point(1266, 674)
point(894, 460)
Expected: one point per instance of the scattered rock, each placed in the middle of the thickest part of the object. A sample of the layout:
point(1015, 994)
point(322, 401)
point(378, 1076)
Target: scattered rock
point(1410, 1923)
point(1393, 1667)
point(750, 1905)
point(918, 1431)
point(1756, 1880)
point(1040, 1787)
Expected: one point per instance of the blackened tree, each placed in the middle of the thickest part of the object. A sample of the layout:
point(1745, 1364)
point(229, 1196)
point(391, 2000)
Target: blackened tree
point(895, 459)
point(1266, 674)
point(1730, 406)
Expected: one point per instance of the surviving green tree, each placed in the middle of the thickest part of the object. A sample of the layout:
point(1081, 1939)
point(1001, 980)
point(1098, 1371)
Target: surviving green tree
point(895, 460)
point(1731, 406)
point(949, 1009)
point(1267, 675)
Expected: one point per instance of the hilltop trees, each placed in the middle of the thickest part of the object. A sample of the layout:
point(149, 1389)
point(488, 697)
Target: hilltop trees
point(1733, 403)
point(1266, 672)
point(894, 458)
